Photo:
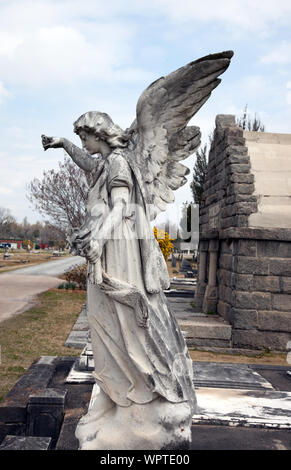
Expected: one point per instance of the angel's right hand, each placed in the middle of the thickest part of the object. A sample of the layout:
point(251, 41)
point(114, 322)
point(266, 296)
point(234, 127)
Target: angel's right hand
point(51, 142)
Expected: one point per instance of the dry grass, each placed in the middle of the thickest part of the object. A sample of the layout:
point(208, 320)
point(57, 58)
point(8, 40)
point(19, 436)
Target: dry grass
point(267, 358)
point(40, 331)
point(174, 272)
point(20, 259)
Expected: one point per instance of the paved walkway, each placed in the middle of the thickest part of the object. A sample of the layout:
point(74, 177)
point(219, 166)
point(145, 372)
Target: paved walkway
point(19, 288)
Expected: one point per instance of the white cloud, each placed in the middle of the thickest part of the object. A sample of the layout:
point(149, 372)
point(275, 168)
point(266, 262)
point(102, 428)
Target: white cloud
point(248, 14)
point(3, 92)
point(42, 43)
point(281, 54)
point(5, 191)
point(289, 93)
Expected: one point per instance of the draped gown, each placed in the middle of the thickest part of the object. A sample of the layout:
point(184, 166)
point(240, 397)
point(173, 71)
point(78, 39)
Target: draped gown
point(139, 351)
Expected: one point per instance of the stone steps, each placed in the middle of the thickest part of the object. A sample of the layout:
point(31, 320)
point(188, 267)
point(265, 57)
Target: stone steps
point(200, 329)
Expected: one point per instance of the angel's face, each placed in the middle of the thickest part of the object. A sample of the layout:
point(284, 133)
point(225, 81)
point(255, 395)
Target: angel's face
point(90, 142)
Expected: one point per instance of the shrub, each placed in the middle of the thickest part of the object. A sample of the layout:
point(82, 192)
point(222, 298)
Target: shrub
point(164, 241)
point(78, 276)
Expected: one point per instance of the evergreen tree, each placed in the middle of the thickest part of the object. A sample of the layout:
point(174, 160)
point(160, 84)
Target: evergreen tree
point(200, 169)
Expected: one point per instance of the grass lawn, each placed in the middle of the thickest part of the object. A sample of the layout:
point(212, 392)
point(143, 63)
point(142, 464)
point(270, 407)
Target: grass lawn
point(266, 358)
point(40, 331)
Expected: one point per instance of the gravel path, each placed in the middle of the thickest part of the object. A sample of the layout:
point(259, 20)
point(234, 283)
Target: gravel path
point(19, 288)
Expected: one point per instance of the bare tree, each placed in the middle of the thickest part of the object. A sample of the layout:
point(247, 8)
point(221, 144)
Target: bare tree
point(248, 123)
point(61, 195)
point(7, 222)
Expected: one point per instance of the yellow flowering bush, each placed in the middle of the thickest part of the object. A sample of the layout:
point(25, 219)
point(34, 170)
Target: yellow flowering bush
point(164, 241)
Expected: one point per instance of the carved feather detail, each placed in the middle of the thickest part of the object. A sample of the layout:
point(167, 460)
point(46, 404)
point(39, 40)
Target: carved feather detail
point(159, 131)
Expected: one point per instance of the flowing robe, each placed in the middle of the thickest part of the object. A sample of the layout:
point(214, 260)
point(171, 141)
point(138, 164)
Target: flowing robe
point(139, 351)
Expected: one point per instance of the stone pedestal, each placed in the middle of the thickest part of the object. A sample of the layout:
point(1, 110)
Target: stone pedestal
point(45, 412)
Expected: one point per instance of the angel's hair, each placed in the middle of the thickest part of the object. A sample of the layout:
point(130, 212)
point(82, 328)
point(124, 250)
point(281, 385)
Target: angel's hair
point(101, 125)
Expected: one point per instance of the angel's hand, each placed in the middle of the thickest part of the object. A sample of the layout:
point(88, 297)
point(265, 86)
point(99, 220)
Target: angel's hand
point(93, 251)
point(51, 142)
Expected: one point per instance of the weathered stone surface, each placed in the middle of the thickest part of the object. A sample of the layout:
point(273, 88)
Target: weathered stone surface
point(224, 277)
point(238, 208)
point(255, 339)
point(226, 247)
point(223, 308)
point(281, 302)
point(236, 150)
point(256, 233)
point(241, 188)
point(234, 221)
point(242, 282)
point(224, 120)
point(45, 412)
point(238, 168)
point(237, 158)
point(274, 321)
point(37, 377)
point(251, 300)
point(248, 265)
point(240, 198)
point(25, 443)
point(279, 267)
point(241, 178)
point(262, 300)
point(245, 247)
point(285, 283)
point(244, 319)
point(225, 261)
point(266, 283)
point(206, 327)
point(274, 249)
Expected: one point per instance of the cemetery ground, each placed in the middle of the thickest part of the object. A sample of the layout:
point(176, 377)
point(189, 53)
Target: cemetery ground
point(39, 331)
point(21, 258)
point(43, 330)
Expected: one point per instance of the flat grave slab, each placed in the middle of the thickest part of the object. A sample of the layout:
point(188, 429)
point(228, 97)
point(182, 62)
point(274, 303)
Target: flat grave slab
point(247, 408)
point(223, 375)
point(25, 443)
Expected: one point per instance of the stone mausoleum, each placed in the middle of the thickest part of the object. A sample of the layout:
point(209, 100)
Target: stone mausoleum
point(245, 235)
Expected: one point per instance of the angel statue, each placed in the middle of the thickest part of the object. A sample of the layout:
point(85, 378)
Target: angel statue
point(143, 369)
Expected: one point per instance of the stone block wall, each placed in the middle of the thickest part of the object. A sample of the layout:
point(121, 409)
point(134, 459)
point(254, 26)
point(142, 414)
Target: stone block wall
point(227, 197)
point(254, 293)
point(244, 271)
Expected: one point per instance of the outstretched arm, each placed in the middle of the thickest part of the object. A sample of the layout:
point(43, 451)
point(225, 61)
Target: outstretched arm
point(80, 157)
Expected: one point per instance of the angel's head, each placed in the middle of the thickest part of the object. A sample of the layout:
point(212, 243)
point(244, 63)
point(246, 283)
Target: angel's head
point(97, 128)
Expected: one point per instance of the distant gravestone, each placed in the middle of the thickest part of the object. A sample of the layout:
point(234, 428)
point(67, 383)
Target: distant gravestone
point(185, 266)
point(174, 261)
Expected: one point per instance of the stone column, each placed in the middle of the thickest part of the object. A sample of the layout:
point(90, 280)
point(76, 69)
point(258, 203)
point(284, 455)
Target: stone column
point(210, 297)
point(201, 284)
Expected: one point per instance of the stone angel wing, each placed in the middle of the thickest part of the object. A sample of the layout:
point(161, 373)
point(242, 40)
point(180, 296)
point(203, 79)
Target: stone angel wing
point(160, 133)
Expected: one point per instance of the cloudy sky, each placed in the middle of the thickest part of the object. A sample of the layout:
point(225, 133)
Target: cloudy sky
point(61, 58)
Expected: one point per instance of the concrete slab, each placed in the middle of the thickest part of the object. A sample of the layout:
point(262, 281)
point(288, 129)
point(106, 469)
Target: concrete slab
point(249, 408)
point(223, 375)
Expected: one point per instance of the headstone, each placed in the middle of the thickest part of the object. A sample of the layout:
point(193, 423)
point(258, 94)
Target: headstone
point(45, 412)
